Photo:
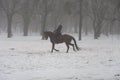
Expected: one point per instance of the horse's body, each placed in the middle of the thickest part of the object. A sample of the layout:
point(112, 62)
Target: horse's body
point(63, 38)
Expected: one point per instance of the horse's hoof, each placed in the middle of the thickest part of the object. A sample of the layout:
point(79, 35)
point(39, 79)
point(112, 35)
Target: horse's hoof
point(57, 50)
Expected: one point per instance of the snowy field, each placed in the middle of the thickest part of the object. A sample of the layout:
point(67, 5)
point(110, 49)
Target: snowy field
point(29, 58)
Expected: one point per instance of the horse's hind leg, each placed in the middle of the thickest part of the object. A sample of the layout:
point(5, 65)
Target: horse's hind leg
point(72, 46)
point(67, 47)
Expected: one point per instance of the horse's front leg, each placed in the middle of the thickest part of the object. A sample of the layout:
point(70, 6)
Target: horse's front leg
point(56, 49)
point(53, 45)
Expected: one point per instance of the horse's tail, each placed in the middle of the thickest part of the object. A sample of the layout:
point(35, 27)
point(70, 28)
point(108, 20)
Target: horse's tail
point(76, 44)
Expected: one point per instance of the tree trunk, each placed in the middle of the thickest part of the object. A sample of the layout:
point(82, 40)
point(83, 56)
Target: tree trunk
point(43, 24)
point(75, 29)
point(25, 29)
point(96, 34)
point(76, 26)
point(26, 26)
point(97, 31)
point(80, 22)
point(44, 17)
point(86, 30)
point(9, 27)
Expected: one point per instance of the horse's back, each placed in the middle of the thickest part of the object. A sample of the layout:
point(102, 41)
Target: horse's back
point(67, 37)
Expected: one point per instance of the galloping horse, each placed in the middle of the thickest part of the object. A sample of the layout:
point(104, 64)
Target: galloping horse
point(63, 38)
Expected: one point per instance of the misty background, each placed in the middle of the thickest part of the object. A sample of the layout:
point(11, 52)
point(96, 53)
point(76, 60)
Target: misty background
point(26, 17)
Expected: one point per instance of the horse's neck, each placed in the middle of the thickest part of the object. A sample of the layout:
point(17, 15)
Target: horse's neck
point(50, 34)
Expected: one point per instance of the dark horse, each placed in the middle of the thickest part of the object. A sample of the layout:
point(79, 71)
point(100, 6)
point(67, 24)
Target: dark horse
point(63, 38)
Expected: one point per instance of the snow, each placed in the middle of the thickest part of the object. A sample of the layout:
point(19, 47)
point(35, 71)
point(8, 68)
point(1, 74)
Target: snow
point(29, 58)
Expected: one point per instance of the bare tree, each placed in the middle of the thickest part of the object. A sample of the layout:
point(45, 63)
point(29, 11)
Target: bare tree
point(10, 7)
point(81, 18)
point(45, 8)
point(99, 10)
point(57, 13)
point(27, 12)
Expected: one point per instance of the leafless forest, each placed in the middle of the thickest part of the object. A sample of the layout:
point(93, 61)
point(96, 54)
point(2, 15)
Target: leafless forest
point(77, 16)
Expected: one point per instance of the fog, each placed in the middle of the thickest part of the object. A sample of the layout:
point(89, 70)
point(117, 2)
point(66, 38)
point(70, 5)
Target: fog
point(26, 17)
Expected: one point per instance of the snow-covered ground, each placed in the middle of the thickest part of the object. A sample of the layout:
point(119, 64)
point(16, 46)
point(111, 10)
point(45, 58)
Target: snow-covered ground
point(29, 58)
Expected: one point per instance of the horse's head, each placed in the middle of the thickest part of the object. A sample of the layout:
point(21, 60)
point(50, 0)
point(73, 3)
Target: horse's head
point(46, 35)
